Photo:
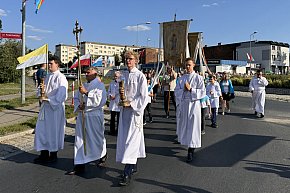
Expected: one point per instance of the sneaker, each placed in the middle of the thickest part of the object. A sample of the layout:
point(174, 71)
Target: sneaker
point(125, 181)
point(214, 125)
point(229, 110)
point(223, 113)
point(144, 123)
point(202, 132)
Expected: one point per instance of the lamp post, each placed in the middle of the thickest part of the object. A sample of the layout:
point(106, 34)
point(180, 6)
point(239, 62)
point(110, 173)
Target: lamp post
point(147, 23)
point(148, 39)
point(251, 58)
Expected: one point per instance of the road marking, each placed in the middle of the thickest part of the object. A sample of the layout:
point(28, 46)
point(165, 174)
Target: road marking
point(280, 120)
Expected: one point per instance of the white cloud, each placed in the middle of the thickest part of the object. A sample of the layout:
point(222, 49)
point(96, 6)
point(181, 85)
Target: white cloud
point(36, 38)
point(3, 12)
point(32, 28)
point(140, 28)
point(210, 5)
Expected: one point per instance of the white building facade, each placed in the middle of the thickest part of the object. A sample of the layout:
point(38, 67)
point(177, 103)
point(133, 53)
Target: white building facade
point(271, 56)
point(66, 53)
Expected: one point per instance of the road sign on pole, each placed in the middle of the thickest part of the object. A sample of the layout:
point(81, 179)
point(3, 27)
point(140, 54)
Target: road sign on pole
point(10, 35)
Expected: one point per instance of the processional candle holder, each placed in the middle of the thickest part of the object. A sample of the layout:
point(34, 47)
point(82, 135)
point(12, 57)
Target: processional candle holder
point(42, 92)
point(123, 100)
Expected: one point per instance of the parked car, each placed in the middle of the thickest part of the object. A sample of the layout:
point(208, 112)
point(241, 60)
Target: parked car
point(71, 76)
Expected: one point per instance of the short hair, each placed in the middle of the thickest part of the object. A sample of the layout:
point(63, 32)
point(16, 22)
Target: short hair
point(212, 77)
point(258, 71)
point(55, 59)
point(189, 59)
point(92, 68)
point(132, 53)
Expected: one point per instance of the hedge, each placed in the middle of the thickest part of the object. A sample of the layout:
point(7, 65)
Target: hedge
point(275, 81)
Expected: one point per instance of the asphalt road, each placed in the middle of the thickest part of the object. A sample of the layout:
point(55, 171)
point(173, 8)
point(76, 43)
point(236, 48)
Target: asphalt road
point(243, 155)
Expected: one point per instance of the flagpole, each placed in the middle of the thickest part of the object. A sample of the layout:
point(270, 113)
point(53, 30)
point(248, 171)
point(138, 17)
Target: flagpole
point(77, 30)
point(23, 52)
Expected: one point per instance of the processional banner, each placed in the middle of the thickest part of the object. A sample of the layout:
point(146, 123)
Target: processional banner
point(175, 42)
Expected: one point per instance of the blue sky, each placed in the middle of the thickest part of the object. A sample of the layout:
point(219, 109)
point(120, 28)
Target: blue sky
point(114, 21)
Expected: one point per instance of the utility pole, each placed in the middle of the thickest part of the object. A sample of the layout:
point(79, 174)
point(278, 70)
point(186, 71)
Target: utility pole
point(23, 52)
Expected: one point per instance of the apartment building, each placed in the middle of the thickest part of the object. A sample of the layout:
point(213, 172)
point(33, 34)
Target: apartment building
point(271, 56)
point(66, 53)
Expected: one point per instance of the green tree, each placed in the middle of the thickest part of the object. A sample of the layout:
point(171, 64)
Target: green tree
point(9, 51)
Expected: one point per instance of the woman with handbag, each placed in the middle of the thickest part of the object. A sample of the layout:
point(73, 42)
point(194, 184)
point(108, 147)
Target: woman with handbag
point(228, 92)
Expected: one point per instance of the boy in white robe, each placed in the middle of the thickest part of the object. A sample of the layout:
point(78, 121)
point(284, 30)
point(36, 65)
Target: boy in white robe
point(50, 125)
point(89, 102)
point(114, 97)
point(189, 90)
point(213, 91)
point(257, 88)
point(130, 140)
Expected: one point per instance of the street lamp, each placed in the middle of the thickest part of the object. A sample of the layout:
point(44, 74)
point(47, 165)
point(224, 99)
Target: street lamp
point(148, 39)
point(251, 57)
point(147, 23)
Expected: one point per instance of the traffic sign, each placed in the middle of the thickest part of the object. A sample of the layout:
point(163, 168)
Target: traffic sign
point(10, 35)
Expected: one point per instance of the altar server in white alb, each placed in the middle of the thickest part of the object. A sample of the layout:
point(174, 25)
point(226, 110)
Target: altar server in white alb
point(130, 140)
point(189, 90)
point(90, 142)
point(114, 97)
point(50, 126)
point(257, 88)
point(213, 91)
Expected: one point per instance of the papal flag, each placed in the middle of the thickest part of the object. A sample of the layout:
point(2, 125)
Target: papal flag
point(38, 56)
point(175, 43)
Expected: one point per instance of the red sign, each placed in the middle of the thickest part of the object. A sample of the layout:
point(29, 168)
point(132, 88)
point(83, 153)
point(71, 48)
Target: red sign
point(11, 35)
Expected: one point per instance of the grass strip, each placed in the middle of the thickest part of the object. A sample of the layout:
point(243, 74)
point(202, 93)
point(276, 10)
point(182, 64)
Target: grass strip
point(14, 103)
point(30, 123)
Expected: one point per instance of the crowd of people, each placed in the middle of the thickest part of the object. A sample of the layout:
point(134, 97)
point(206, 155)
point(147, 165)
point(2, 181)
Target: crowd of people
point(193, 96)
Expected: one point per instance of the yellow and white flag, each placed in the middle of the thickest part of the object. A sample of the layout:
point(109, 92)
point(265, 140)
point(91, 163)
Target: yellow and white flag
point(38, 56)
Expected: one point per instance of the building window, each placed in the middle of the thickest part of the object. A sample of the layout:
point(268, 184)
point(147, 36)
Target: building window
point(273, 47)
point(273, 57)
point(105, 46)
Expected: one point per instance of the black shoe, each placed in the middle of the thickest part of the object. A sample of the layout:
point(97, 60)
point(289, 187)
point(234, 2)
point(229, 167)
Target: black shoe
point(189, 157)
point(203, 132)
point(125, 180)
point(261, 115)
point(74, 172)
point(51, 160)
point(151, 121)
point(134, 171)
point(78, 169)
point(214, 125)
point(102, 161)
point(40, 160)
point(255, 113)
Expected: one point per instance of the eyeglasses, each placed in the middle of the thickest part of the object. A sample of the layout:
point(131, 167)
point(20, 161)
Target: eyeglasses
point(130, 58)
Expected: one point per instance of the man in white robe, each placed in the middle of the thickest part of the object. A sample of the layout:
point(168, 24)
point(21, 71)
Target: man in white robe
point(257, 88)
point(130, 140)
point(89, 102)
point(50, 126)
point(189, 90)
point(114, 97)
